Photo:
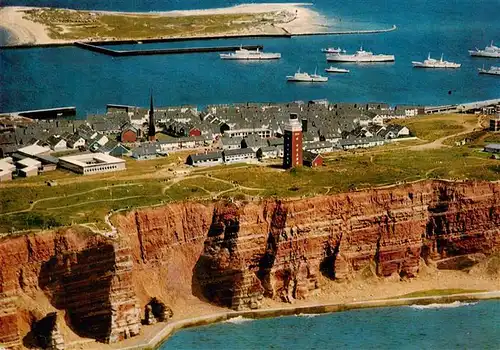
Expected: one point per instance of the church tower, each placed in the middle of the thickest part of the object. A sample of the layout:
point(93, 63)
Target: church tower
point(151, 126)
point(292, 147)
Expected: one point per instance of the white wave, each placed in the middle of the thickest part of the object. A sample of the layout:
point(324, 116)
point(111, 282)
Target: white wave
point(307, 315)
point(238, 320)
point(442, 306)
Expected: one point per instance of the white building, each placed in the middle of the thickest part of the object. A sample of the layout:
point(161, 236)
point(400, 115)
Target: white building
point(6, 169)
point(92, 163)
point(239, 155)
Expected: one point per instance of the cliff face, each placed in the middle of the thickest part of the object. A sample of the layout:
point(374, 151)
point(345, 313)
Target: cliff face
point(234, 254)
point(87, 276)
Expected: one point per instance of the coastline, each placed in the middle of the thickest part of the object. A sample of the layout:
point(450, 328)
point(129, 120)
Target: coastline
point(322, 308)
point(26, 32)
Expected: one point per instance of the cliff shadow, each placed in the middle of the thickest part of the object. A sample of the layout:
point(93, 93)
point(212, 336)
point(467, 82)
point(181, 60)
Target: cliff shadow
point(80, 283)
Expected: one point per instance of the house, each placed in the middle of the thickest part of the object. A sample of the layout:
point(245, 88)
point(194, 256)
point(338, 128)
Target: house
point(267, 152)
point(253, 142)
point(145, 151)
point(312, 159)
point(114, 149)
point(75, 141)
point(492, 148)
point(407, 111)
point(6, 169)
point(319, 147)
point(205, 159)
point(169, 145)
point(129, 133)
point(276, 142)
point(28, 171)
point(227, 143)
point(239, 155)
point(57, 143)
point(364, 142)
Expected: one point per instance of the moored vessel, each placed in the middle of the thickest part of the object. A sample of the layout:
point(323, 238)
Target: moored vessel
point(433, 63)
point(360, 56)
point(491, 51)
point(333, 69)
point(255, 55)
point(492, 71)
point(333, 50)
point(306, 77)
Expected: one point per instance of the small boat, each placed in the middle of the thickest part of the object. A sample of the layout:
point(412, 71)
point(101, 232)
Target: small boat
point(254, 55)
point(360, 56)
point(333, 69)
point(333, 50)
point(491, 51)
point(492, 71)
point(433, 63)
point(306, 77)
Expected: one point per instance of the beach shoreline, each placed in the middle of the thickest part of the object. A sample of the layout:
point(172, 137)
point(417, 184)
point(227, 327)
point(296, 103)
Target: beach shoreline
point(27, 32)
point(169, 329)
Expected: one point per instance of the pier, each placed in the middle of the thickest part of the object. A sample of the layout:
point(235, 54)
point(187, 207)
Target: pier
point(461, 108)
point(121, 53)
point(47, 113)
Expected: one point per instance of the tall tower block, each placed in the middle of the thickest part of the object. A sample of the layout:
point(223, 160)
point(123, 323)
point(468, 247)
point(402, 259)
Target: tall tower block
point(292, 156)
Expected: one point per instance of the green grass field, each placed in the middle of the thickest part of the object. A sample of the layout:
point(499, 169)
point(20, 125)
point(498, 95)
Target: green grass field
point(80, 25)
point(433, 127)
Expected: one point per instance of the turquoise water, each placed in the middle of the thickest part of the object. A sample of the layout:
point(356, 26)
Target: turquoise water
point(456, 326)
point(40, 78)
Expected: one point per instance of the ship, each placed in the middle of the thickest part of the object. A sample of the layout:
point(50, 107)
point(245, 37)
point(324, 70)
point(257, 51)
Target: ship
point(255, 55)
point(305, 77)
point(489, 51)
point(333, 50)
point(492, 71)
point(333, 69)
point(360, 56)
point(433, 63)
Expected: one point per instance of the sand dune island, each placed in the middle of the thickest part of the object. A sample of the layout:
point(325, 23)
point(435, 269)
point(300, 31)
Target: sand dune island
point(42, 25)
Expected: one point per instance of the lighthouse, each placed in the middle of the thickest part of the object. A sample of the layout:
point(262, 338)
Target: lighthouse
point(292, 146)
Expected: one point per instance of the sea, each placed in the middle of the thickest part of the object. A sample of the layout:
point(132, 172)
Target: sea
point(68, 76)
point(459, 325)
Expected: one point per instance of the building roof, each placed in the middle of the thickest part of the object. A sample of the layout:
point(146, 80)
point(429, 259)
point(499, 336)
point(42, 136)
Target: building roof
point(205, 156)
point(309, 156)
point(28, 162)
point(268, 149)
point(231, 141)
point(239, 151)
point(90, 159)
point(146, 149)
point(33, 150)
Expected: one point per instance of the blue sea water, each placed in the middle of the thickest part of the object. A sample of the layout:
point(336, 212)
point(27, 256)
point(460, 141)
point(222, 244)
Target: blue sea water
point(42, 78)
point(456, 326)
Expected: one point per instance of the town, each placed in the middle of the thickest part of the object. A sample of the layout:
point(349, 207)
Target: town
point(218, 134)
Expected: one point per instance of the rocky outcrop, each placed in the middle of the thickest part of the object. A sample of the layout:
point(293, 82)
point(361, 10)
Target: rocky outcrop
point(87, 276)
point(47, 334)
point(235, 254)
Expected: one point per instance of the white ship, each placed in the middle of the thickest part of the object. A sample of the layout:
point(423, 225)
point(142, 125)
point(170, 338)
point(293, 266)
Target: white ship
point(492, 71)
point(333, 50)
point(333, 69)
point(244, 54)
point(433, 63)
point(305, 77)
point(359, 56)
point(489, 51)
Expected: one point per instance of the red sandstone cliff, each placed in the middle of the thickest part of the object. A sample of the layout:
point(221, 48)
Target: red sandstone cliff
point(234, 254)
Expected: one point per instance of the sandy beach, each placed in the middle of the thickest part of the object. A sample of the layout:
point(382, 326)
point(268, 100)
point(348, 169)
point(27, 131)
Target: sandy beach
point(304, 20)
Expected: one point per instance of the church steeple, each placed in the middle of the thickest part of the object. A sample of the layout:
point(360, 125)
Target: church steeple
point(151, 126)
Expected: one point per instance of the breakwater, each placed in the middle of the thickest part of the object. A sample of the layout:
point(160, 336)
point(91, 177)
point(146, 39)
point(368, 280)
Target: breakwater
point(121, 53)
point(285, 35)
